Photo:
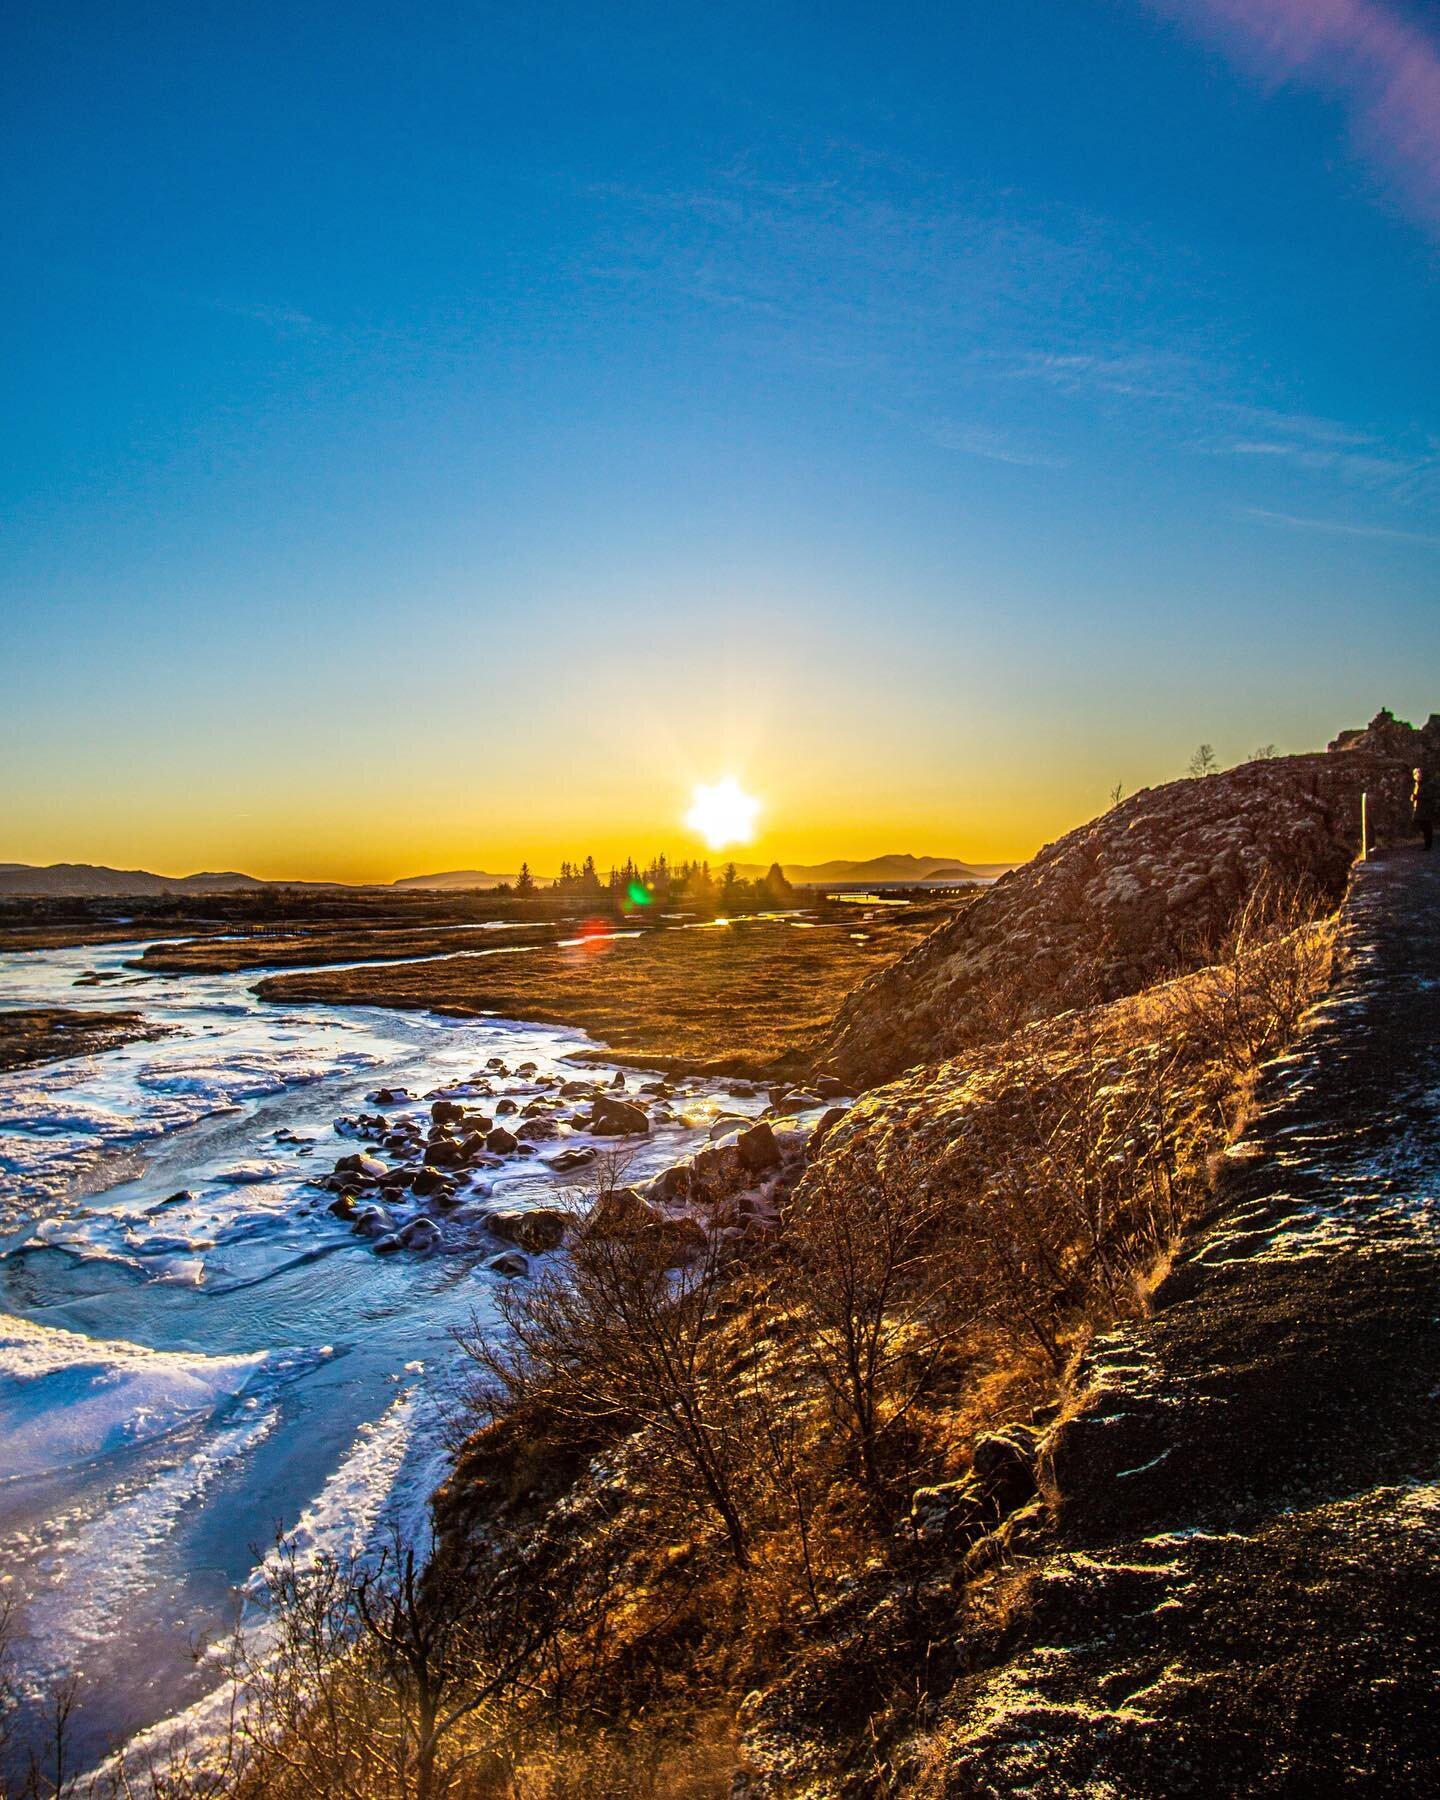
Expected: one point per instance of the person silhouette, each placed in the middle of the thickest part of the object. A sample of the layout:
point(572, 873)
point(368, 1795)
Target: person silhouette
point(1425, 803)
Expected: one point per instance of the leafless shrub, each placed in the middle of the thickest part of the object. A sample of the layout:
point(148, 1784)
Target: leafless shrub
point(611, 1339)
point(1263, 970)
point(380, 1681)
point(878, 1299)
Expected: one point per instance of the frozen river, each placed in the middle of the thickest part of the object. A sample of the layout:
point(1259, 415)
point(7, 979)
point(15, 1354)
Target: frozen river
point(194, 1353)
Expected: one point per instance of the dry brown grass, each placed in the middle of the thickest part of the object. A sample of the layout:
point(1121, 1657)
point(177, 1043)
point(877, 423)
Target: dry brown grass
point(41, 1034)
point(736, 999)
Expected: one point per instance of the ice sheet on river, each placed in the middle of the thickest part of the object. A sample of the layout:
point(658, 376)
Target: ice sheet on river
point(62, 1125)
point(65, 1397)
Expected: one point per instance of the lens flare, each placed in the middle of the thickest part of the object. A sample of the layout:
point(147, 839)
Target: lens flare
point(722, 814)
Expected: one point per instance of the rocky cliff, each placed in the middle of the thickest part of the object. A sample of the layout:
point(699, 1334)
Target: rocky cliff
point(1136, 894)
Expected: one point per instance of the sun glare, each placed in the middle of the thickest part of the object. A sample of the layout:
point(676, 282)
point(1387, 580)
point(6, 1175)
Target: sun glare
point(722, 814)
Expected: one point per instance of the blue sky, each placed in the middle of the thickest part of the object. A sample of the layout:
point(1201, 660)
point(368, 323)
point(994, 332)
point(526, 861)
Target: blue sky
point(442, 434)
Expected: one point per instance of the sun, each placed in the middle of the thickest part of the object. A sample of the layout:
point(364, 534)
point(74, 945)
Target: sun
point(722, 814)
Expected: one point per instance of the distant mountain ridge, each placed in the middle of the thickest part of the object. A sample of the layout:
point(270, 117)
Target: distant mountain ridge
point(85, 880)
point(79, 880)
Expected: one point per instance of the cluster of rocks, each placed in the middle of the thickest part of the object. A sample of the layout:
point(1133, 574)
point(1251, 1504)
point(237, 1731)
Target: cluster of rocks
point(1140, 892)
point(418, 1168)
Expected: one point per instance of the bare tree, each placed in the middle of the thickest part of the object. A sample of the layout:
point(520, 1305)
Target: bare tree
point(614, 1339)
point(1204, 760)
point(878, 1301)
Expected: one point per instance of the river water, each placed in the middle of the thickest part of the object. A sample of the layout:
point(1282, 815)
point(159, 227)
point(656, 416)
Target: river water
point(194, 1353)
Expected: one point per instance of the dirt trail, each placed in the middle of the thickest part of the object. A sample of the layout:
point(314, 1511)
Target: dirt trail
point(1246, 1594)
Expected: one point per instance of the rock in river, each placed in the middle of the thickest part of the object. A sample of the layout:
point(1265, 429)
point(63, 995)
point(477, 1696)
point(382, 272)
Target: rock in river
point(535, 1229)
point(618, 1118)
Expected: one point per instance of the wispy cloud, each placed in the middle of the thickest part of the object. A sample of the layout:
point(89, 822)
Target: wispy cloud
point(277, 318)
point(1380, 63)
point(1406, 475)
point(986, 442)
point(1342, 528)
point(1185, 402)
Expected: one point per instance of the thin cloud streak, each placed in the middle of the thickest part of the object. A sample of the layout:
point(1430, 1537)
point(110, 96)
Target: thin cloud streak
point(1339, 528)
point(993, 446)
point(1385, 69)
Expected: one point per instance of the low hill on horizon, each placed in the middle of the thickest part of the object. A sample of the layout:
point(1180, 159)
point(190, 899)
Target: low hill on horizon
point(81, 880)
point(457, 878)
point(896, 867)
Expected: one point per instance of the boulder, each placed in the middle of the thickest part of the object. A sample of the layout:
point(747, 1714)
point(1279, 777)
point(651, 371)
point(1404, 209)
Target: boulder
point(373, 1221)
point(757, 1148)
point(825, 1124)
point(447, 1112)
point(564, 1162)
point(501, 1141)
point(950, 1512)
point(443, 1153)
point(428, 1180)
point(716, 1168)
point(670, 1184)
point(509, 1263)
point(536, 1229)
point(364, 1168)
point(1004, 1463)
point(421, 1234)
point(621, 1209)
point(505, 1106)
point(618, 1118)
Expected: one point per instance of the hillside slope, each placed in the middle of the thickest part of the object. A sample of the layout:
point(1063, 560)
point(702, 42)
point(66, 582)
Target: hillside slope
point(1133, 895)
point(1245, 1592)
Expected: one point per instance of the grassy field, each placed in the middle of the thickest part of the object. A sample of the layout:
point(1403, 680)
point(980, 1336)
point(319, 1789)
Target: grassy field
point(748, 998)
point(323, 944)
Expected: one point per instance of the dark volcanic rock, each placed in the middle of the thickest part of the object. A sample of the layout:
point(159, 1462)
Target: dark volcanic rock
point(757, 1148)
